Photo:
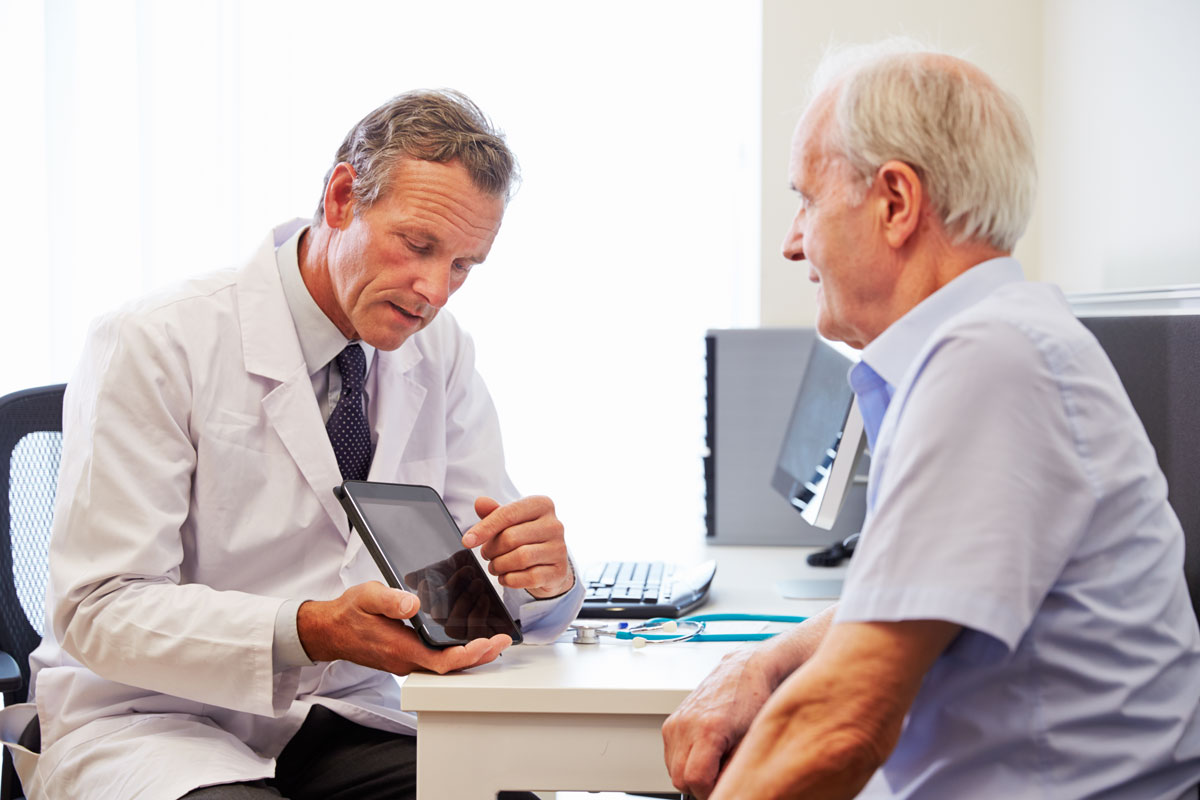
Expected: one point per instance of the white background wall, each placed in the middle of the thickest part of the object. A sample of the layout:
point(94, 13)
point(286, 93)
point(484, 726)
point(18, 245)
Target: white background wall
point(1120, 141)
point(1111, 88)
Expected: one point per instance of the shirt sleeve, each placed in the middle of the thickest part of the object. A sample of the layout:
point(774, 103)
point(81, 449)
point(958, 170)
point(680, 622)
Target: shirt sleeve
point(286, 649)
point(981, 493)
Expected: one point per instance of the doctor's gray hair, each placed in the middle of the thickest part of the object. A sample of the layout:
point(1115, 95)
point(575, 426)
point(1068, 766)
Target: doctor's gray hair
point(427, 125)
point(967, 140)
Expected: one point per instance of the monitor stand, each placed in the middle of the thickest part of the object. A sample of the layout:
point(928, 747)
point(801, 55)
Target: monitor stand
point(810, 589)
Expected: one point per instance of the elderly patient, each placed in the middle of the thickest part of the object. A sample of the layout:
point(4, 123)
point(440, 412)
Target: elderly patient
point(1015, 623)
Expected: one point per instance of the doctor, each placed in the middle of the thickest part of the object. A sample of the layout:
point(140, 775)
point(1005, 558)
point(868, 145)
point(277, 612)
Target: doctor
point(214, 630)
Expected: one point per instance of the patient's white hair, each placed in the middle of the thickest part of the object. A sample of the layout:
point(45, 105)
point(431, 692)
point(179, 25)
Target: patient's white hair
point(967, 139)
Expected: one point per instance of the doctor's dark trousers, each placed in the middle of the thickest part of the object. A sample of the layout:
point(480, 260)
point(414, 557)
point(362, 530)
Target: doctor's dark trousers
point(332, 758)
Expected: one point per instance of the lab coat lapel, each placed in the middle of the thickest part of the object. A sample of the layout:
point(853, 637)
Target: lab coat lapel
point(398, 404)
point(272, 351)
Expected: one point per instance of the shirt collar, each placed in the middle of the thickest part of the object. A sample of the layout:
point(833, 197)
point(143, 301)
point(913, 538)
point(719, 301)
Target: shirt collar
point(892, 352)
point(320, 339)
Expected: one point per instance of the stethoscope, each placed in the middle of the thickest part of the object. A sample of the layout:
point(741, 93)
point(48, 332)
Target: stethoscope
point(662, 630)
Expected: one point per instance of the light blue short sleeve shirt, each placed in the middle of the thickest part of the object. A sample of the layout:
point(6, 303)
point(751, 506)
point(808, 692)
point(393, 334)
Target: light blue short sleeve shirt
point(1013, 491)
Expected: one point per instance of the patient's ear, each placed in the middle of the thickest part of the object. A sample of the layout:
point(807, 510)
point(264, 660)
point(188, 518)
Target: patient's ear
point(902, 195)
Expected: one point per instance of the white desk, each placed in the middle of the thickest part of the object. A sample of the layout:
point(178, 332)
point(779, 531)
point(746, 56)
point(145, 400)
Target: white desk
point(583, 717)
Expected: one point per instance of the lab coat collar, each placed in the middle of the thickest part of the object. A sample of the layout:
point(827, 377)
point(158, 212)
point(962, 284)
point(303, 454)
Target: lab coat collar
point(271, 350)
point(263, 313)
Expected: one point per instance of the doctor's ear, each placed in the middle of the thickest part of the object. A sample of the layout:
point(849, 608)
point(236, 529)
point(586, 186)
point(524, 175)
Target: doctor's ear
point(339, 196)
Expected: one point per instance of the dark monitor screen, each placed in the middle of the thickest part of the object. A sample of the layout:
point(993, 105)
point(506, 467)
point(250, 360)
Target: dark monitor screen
point(824, 439)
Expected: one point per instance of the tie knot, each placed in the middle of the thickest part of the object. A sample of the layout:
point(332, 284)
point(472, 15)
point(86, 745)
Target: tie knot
point(352, 363)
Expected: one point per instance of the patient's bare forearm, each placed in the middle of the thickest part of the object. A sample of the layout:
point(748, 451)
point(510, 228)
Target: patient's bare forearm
point(785, 653)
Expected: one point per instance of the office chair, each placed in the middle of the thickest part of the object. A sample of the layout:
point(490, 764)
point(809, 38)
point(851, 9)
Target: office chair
point(1158, 360)
point(30, 450)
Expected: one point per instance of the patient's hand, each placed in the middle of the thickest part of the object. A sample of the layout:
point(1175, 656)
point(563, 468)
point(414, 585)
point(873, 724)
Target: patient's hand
point(710, 723)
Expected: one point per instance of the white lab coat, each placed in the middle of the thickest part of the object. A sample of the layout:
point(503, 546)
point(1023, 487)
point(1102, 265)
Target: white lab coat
point(194, 498)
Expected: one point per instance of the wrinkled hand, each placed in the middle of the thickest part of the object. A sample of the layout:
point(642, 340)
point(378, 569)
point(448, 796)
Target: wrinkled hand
point(710, 723)
point(830, 725)
point(365, 625)
point(523, 544)
point(456, 595)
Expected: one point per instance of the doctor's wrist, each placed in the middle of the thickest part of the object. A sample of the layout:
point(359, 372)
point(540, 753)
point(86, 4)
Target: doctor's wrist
point(311, 626)
point(553, 593)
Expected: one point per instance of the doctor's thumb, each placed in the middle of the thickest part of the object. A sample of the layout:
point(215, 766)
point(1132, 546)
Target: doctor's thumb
point(388, 602)
point(408, 605)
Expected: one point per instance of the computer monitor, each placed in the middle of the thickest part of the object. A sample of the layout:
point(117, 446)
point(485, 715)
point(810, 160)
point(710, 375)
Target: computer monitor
point(824, 439)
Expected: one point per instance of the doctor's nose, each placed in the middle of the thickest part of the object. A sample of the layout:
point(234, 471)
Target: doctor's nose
point(433, 284)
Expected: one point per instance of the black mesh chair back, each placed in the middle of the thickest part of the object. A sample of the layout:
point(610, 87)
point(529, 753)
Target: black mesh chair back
point(30, 450)
point(1158, 361)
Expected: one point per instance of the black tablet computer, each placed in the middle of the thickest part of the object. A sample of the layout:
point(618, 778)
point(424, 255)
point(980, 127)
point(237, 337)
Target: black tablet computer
point(418, 548)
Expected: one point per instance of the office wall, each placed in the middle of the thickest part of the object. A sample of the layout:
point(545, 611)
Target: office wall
point(1110, 88)
point(1121, 127)
point(1002, 36)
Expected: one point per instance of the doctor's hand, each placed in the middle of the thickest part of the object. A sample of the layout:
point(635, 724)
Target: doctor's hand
point(708, 726)
point(523, 544)
point(365, 625)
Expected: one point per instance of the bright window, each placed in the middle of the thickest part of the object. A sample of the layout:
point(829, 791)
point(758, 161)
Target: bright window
point(151, 141)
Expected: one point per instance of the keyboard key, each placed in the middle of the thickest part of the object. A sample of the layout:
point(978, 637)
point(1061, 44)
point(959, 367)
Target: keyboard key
point(610, 573)
point(625, 574)
point(626, 593)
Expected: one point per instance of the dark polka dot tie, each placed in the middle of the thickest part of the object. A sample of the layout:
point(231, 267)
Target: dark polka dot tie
point(348, 430)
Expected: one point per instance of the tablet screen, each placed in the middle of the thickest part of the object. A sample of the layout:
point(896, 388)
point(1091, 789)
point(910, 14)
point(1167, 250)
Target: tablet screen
point(418, 547)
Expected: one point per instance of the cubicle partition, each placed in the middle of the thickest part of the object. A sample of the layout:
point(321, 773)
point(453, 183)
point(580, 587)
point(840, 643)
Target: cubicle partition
point(1153, 341)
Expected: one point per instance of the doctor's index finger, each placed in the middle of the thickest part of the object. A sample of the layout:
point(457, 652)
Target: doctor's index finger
point(506, 516)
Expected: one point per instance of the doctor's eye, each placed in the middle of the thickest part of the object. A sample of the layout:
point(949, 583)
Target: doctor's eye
point(419, 248)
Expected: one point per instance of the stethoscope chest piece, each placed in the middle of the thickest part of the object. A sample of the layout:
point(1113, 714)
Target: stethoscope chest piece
point(587, 632)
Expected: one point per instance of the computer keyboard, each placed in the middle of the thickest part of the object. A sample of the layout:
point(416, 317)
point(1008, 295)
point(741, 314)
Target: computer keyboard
point(645, 589)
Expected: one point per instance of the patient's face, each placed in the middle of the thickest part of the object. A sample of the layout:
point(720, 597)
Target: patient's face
point(836, 232)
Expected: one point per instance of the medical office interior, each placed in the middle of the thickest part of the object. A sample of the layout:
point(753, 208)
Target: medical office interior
point(149, 141)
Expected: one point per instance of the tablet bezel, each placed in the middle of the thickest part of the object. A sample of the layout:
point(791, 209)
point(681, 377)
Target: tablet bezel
point(349, 494)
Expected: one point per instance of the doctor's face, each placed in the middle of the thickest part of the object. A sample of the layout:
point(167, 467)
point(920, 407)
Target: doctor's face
point(393, 266)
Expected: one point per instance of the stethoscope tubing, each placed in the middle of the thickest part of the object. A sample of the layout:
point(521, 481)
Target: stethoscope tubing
point(643, 631)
